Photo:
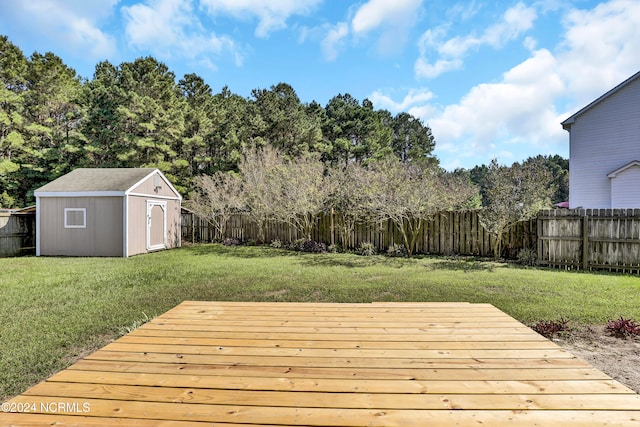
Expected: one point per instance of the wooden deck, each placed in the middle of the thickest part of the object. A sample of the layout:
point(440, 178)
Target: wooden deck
point(294, 364)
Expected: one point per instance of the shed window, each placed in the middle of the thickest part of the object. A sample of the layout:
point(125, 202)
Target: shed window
point(75, 217)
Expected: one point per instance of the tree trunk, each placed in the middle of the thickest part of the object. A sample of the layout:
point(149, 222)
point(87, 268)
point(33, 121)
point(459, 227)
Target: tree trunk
point(497, 249)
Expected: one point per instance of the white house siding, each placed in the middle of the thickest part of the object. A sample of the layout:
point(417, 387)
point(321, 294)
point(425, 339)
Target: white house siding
point(625, 188)
point(603, 139)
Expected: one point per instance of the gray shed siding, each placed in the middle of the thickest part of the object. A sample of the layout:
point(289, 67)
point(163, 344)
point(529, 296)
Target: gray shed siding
point(603, 139)
point(137, 223)
point(147, 187)
point(101, 236)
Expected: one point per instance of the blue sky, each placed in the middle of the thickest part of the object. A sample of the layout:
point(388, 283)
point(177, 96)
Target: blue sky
point(491, 78)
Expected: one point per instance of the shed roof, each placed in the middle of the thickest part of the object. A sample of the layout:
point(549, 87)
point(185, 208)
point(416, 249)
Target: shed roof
point(568, 122)
point(97, 179)
point(618, 171)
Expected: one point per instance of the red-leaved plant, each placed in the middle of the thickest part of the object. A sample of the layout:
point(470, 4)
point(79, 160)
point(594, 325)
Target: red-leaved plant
point(549, 328)
point(623, 327)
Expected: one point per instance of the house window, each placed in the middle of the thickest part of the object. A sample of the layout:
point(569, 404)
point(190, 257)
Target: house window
point(75, 217)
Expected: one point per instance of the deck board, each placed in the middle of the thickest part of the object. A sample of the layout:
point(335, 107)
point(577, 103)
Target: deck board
point(316, 364)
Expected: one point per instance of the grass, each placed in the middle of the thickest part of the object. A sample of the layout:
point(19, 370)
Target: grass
point(54, 310)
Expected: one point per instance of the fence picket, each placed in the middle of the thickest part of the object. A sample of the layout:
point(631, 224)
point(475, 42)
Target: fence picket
point(17, 233)
point(591, 239)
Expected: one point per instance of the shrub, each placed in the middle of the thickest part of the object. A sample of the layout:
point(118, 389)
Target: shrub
point(527, 256)
point(366, 249)
point(313, 246)
point(296, 245)
point(304, 245)
point(277, 244)
point(231, 241)
point(334, 248)
point(396, 250)
point(623, 327)
point(549, 328)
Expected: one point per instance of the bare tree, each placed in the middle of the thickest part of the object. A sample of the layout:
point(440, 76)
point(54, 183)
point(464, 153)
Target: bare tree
point(350, 198)
point(302, 192)
point(411, 195)
point(514, 194)
point(458, 192)
point(216, 198)
point(296, 191)
point(261, 190)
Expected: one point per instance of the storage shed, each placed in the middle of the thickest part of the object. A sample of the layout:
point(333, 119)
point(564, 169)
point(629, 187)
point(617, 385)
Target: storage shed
point(107, 212)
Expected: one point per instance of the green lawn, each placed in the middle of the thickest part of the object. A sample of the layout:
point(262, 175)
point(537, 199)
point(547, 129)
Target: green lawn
point(54, 309)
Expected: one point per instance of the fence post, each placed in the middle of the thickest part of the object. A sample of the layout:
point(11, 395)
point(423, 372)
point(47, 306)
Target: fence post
point(333, 241)
point(539, 234)
point(585, 241)
point(193, 227)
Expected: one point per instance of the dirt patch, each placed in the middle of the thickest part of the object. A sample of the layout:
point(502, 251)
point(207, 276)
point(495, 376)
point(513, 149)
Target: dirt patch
point(617, 357)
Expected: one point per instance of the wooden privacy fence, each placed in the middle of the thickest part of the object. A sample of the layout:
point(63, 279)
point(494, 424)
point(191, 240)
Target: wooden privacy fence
point(584, 239)
point(590, 239)
point(17, 233)
point(449, 233)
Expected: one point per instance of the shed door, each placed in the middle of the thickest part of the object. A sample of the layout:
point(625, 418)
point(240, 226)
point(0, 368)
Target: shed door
point(156, 225)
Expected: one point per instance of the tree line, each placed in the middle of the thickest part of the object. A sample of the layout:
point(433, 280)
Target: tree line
point(137, 114)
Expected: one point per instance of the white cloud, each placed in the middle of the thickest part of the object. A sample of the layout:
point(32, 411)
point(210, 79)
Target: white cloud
point(600, 48)
point(392, 20)
point(462, 11)
point(515, 107)
point(334, 40)
point(171, 28)
point(376, 13)
point(272, 14)
point(530, 43)
point(157, 24)
point(413, 97)
point(388, 22)
point(516, 21)
point(423, 69)
point(73, 24)
point(450, 53)
point(520, 114)
point(491, 118)
point(98, 44)
point(424, 110)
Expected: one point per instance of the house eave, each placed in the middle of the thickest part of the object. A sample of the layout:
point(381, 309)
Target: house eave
point(566, 125)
